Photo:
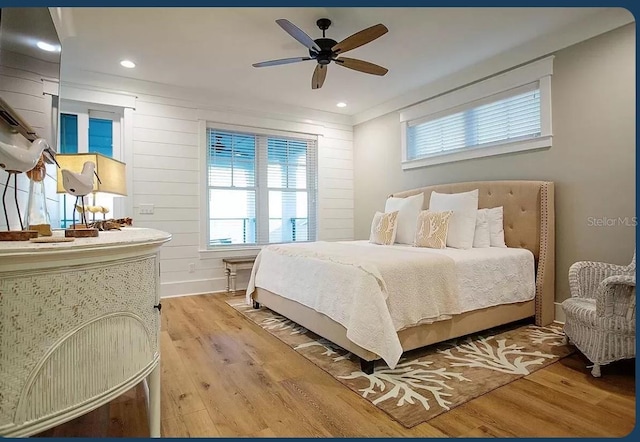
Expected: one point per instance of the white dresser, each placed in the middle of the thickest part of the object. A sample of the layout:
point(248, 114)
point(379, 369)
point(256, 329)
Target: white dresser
point(79, 325)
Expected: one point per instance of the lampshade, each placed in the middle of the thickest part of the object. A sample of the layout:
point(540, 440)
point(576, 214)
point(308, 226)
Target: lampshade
point(111, 172)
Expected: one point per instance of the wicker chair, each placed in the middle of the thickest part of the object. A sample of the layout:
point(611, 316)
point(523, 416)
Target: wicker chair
point(601, 313)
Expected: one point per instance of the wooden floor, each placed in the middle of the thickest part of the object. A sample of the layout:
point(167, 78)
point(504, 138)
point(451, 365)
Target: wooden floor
point(224, 376)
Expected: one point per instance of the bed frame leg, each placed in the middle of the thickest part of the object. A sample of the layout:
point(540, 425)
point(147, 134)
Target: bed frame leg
point(366, 366)
point(256, 305)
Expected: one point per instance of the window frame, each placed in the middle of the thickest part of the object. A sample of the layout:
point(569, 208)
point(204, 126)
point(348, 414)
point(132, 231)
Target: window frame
point(85, 111)
point(477, 94)
point(261, 186)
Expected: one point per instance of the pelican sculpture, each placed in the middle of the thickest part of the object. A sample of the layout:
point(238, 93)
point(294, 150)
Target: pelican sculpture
point(15, 160)
point(80, 185)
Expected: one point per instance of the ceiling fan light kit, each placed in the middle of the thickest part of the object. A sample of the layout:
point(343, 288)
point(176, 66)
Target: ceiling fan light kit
point(325, 50)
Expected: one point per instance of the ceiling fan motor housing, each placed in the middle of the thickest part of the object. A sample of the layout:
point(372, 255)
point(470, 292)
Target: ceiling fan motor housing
point(326, 54)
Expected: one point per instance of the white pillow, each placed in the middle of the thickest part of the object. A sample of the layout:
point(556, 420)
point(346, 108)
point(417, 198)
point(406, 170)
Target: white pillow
point(462, 226)
point(496, 227)
point(482, 237)
point(409, 208)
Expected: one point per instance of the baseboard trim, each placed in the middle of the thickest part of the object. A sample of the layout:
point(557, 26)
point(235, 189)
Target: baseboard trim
point(560, 316)
point(197, 287)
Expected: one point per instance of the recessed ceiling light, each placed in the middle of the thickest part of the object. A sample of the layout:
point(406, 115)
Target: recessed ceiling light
point(341, 104)
point(48, 47)
point(128, 64)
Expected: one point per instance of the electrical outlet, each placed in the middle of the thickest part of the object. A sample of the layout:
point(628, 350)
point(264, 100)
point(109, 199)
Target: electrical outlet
point(146, 209)
point(192, 267)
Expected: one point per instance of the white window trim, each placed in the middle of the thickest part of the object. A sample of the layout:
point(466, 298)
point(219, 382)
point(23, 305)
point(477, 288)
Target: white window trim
point(110, 101)
point(205, 251)
point(217, 252)
point(86, 110)
point(96, 96)
point(539, 71)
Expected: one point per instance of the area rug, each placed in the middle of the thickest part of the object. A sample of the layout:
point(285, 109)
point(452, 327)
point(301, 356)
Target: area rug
point(429, 381)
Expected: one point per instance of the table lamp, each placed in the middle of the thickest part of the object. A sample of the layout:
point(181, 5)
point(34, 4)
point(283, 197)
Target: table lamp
point(112, 173)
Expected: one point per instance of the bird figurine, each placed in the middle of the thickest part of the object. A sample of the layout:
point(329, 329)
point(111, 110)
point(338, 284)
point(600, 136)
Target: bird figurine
point(80, 185)
point(94, 210)
point(104, 210)
point(15, 160)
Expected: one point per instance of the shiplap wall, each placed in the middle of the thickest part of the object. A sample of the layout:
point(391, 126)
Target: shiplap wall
point(23, 90)
point(166, 170)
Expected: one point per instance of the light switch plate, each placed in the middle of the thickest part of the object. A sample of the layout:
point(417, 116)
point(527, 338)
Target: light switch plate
point(146, 209)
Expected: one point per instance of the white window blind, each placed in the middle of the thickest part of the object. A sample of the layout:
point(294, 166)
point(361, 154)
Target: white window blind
point(290, 176)
point(506, 113)
point(509, 117)
point(262, 188)
point(232, 188)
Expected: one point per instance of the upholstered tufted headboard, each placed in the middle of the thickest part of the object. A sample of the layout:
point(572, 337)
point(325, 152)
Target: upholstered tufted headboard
point(528, 223)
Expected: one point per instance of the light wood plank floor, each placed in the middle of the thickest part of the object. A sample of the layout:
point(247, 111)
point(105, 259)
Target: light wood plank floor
point(224, 376)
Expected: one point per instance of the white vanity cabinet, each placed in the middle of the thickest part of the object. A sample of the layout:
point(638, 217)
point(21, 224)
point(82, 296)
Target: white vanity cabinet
point(79, 325)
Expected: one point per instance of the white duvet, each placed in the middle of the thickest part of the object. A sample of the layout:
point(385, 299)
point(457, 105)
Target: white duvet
point(485, 276)
point(374, 291)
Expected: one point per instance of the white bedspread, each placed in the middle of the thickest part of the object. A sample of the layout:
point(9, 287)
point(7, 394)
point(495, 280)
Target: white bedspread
point(372, 291)
point(486, 276)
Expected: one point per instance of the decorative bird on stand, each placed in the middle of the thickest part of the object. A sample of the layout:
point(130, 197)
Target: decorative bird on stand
point(80, 185)
point(15, 160)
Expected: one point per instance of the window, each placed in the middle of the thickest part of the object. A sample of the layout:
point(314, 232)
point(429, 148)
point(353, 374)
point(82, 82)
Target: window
point(514, 118)
point(500, 115)
point(83, 130)
point(261, 188)
point(68, 133)
point(100, 135)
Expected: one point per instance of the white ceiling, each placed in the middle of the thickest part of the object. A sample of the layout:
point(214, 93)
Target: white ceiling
point(213, 48)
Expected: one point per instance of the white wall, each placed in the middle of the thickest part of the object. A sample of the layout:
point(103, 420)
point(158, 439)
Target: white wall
point(163, 157)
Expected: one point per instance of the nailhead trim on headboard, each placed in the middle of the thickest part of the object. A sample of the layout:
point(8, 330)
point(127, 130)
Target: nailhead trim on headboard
point(544, 217)
point(545, 251)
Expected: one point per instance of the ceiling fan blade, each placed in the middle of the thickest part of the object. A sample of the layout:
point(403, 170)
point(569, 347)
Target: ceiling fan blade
point(280, 61)
point(319, 75)
point(361, 65)
point(360, 38)
point(298, 34)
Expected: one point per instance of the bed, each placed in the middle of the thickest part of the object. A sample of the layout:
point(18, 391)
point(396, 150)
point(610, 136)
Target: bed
point(529, 235)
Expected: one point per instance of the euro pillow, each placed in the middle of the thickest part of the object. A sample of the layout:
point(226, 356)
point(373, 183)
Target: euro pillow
point(462, 226)
point(431, 229)
point(496, 226)
point(383, 228)
point(408, 209)
point(482, 236)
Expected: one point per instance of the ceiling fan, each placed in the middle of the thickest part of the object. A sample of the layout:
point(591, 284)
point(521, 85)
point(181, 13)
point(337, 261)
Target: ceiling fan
point(325, 50)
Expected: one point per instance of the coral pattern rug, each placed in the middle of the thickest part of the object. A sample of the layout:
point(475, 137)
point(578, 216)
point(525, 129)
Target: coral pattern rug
point(428, 381)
